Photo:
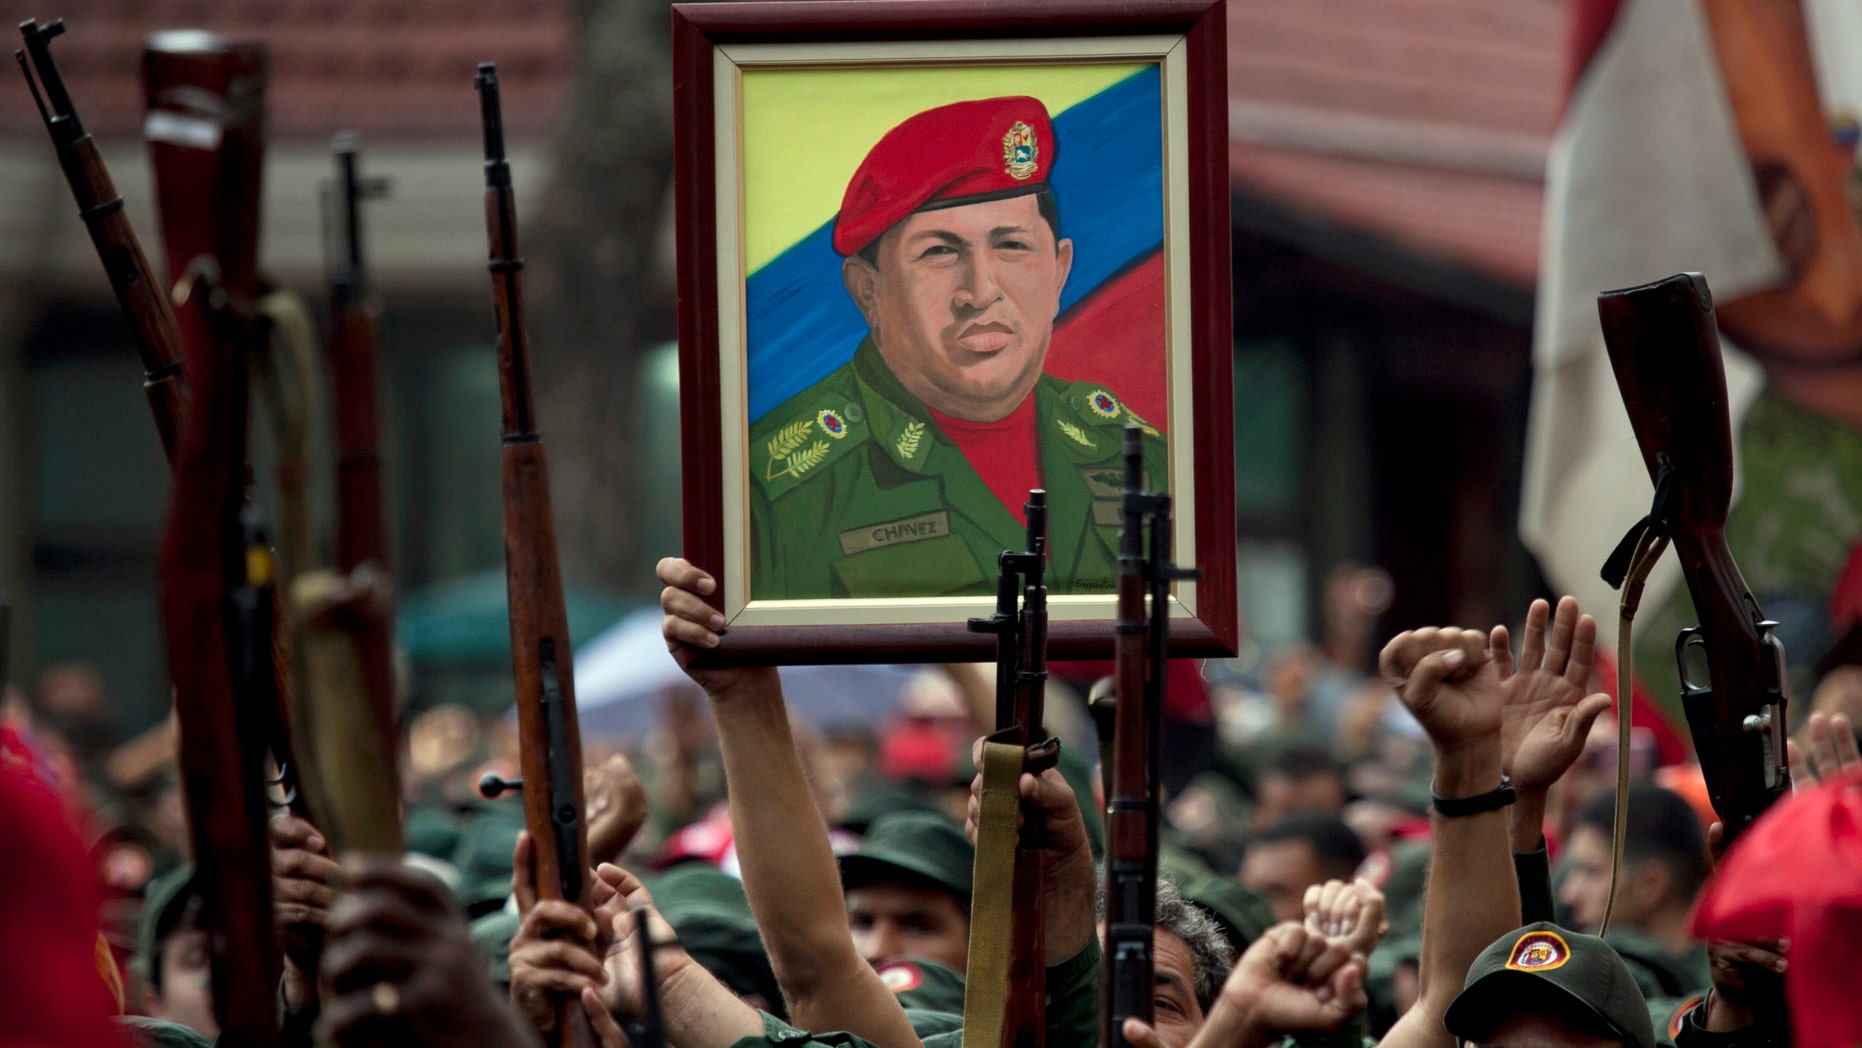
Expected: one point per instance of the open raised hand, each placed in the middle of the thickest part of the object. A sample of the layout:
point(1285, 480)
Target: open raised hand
point(1546, 714)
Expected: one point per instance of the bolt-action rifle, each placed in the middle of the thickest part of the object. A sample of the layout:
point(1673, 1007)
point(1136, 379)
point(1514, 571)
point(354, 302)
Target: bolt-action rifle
point(361, 520)
point(546, 720)
point(220, 603)
point(143, 298)
point(1665, 348)
point(1142, 653)
point(1006, 993)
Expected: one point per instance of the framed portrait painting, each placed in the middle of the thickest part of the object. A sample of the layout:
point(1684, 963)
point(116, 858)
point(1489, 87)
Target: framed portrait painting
point(933, 255)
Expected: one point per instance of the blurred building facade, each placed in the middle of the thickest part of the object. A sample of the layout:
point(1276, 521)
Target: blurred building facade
point(1386, 157)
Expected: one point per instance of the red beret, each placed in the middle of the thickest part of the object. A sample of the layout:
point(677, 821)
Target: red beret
point(991, 147)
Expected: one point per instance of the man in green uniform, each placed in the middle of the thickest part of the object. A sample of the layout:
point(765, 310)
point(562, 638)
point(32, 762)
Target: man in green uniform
point(908, 890)
point(903, 472)
point(1664, 866)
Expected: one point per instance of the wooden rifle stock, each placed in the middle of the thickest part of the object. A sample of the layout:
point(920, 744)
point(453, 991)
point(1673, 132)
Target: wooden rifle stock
point(209, 587)
point(218, 580)
point(1020, 627)
point(1142, 646)
point(142, 298)
point(1664, 346)
point(540, 648)
point(206, 134)
point(361, 519)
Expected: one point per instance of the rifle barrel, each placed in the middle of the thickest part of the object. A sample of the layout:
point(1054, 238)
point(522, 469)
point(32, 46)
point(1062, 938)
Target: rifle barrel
point(141, 297)
point(540, 643)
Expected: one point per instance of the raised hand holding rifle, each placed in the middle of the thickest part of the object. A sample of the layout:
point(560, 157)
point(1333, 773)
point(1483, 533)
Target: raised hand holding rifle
point(1143, 646)
point(540, 643)
point(1005, 997)
point(1664, 346)
point(218, 580)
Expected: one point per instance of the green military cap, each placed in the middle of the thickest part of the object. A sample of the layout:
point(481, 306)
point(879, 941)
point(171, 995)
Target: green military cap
point(886, 798)
point(1406, 886)
point(1580, 975)
point(924, 985)
point(484, 856)
point(431, 828)
point(164, 904)
point(159, 1033)
point(492, 934)
point(1241, 912)
point(916, 845)
point(709, 911)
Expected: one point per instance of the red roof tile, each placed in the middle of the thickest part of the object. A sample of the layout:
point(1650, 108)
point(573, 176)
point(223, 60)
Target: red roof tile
point(399, 68)
point(1424, 121)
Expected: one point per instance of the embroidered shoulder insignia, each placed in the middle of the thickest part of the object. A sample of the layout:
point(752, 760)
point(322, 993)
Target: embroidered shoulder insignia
point(909, 438)
point(832, 424)
point(797, 463)
point(1103, 404)
point(1079, 435)
point(788, 438)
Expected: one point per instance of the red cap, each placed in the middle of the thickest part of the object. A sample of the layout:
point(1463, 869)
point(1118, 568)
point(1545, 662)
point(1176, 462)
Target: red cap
point(944, 157)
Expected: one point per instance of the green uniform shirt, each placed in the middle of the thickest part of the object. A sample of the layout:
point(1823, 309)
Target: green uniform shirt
point(1072, 1014)
point(855, 492)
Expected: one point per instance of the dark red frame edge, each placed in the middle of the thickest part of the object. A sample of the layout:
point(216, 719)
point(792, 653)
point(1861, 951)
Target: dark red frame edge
point(695, 29)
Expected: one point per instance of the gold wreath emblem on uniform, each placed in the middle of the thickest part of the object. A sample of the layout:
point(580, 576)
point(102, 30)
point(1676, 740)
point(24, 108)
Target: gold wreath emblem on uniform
point(909, 437)
point(799, 462)
point(1021, 154)
point(1079, 435)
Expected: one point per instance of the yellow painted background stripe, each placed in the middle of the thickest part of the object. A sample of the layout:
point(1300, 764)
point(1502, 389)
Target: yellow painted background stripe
point(805, 130)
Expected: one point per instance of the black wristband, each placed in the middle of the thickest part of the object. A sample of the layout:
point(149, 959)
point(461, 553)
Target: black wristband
point(1492, 800)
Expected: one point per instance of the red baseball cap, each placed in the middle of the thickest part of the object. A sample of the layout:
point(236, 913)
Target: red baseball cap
point(965, 152)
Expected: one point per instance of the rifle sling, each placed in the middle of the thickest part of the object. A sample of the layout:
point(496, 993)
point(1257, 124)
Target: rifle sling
point(986, 985)
point(1651, 541)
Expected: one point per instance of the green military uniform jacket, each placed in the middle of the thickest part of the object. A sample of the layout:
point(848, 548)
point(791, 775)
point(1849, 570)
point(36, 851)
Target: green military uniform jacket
point(1072, 1014)
point(855, 492)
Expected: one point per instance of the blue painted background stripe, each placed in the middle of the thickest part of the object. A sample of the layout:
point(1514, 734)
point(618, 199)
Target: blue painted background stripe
point(1109, 183)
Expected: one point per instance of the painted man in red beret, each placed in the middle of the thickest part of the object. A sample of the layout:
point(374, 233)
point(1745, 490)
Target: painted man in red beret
point(904, 471)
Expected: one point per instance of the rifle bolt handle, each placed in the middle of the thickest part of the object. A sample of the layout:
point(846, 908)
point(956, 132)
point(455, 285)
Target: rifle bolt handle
point(492, 785)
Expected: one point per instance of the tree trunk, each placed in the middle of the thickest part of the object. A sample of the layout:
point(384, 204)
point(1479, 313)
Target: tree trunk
point(595, 274)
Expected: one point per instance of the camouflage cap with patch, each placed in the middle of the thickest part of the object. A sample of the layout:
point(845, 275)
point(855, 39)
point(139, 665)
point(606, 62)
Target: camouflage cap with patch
point(913, 845)
point(1581, 973)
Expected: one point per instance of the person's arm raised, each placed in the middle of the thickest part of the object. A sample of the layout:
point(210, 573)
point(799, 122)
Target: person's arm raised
point(1449, 680)
point(789, 871)
point(1545, 719)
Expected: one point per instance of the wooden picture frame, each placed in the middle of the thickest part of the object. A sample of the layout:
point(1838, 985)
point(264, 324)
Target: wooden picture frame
point(776, 105)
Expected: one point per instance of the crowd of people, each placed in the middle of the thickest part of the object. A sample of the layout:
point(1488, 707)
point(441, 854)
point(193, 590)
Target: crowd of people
point(1425, 859)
